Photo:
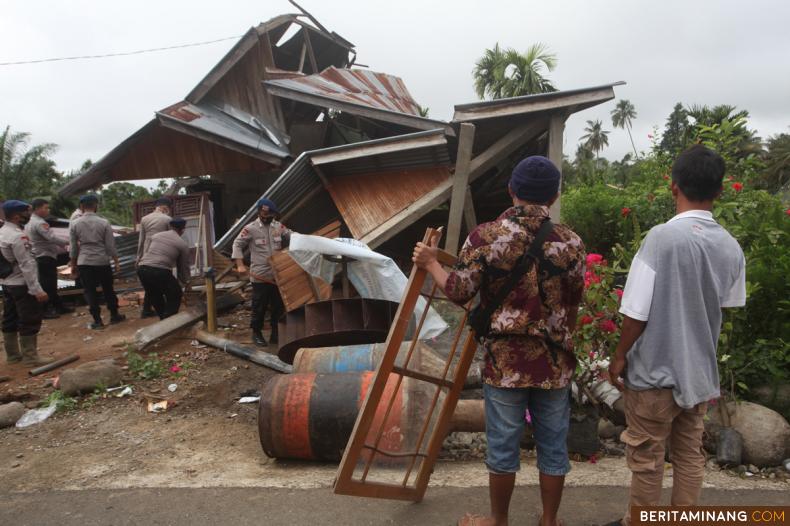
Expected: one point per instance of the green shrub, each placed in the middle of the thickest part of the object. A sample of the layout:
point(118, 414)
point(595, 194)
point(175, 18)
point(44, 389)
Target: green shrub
point(146, 368)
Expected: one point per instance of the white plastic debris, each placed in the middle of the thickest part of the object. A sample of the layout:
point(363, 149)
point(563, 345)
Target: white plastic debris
point(249, 399)
point(36, 416)
point(197, 345)
point(126, 391)
point(172, 388)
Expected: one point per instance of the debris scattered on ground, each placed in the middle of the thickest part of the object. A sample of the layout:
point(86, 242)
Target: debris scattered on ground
point(249, 399)
point(36, 416)
point(158, 407)
point(172, 388)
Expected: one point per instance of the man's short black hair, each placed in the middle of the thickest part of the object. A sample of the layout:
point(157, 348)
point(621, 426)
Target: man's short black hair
point(38, 203)
point(698, 172)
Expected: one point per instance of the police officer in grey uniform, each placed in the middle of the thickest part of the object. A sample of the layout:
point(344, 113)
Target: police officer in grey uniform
point(45, 250)
point(263, 237)
point(165, 251)
point(22, 292)
point(91, 247)
point(151, 224)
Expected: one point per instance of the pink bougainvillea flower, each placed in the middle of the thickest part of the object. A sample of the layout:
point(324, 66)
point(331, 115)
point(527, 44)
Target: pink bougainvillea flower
point(175, 369)
point(619, 293)
point(625, 211)
point(787, 211)
point(592, 355)
point(586, 319)
point(607, 326)
point(591, 277)
point(737, 186)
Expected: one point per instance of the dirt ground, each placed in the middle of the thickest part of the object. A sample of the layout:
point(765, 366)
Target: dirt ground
point(206, 438)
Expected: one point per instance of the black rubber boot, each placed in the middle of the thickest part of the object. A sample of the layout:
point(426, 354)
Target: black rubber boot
point(258, 339)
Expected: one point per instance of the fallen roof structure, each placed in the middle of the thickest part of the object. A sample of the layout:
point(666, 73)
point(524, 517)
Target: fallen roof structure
point(226, 125)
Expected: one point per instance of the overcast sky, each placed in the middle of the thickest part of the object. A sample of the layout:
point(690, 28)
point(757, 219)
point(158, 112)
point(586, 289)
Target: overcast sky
point(703, 52)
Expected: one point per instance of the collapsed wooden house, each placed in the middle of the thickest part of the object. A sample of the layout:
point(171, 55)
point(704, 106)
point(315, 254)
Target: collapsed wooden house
point(286, 115)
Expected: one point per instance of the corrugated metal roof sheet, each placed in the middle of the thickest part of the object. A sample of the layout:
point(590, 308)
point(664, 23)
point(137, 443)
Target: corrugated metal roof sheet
point(528, 103)
point(357, 86)
point(375, 95)
point(227, 122)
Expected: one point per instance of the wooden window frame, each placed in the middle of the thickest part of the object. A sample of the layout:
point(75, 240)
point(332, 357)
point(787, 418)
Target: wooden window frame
point(345, 484)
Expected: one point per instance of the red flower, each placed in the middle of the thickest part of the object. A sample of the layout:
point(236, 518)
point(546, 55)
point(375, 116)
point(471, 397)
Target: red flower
point(592, 355)
point(737, 187)
point(595, 259)
point(586, 319)
point(666, 177)
point(607, 326)
point(625, 211)
point(619, 293)
point(593, 459)
point(591, 277)
point(175, 369)
point(787, 211)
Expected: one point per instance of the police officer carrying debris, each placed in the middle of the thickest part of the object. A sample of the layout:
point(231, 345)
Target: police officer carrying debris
point(263, 236)
point(45, 249)
point(22, 292)
point(91, 247)
point(165, 251)
point(151, 224)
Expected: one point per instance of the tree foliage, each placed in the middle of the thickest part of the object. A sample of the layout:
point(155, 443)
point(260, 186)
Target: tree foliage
point(622, 117)
point(508, 73)
point(595, 138)
point(26, 171)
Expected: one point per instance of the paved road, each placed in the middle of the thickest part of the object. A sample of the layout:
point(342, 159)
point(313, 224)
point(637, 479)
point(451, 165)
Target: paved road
point(242, 506)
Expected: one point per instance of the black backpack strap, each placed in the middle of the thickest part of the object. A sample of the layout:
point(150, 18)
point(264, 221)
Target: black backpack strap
point(533, 253)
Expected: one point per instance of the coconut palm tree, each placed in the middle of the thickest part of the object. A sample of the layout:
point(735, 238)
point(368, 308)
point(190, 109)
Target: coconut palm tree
point(507, 73)
point(25, 171)
point(622, 116)
point(596, 137)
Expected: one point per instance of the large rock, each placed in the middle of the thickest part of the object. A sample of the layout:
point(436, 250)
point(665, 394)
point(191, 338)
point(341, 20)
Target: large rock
point(765, 432)
point(10, 413)
point(87, 377)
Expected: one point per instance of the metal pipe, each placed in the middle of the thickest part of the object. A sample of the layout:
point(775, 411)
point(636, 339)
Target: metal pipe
point(211, 306)
point(245, 353)
point(54, 365)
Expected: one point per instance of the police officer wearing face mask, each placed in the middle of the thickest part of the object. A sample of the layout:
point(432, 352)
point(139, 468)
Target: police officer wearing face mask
point(263, 237)
point(22, 293)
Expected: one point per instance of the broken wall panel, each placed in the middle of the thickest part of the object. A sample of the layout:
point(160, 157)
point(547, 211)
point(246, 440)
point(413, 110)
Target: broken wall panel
point(365, 201)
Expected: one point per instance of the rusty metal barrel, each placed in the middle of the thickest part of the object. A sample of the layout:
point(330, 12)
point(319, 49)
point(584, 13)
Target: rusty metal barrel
point(366, 357)
point(311, 416)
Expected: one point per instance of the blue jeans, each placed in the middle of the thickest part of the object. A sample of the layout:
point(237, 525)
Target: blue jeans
point(550, 410)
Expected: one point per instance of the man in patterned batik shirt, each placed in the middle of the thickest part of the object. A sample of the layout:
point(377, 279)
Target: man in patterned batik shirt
point(530, 361)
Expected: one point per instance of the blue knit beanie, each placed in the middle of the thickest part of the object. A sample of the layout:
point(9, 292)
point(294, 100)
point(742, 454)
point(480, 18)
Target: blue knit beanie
point(268, 203)
point(535, 179)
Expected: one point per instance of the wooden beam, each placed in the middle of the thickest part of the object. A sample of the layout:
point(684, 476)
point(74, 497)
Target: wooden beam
point(404, 119)
point(504, 146)
point(466, 139)
point(310, 52)
point(478, 166)
point(366, 150)
point(470, 218)
point(556, 128)
point(408, 215)
point(502, 108)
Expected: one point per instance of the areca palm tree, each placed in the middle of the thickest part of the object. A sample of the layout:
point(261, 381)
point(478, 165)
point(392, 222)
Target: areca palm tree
point(507, 73)
point(596, 137)
point(622, 116)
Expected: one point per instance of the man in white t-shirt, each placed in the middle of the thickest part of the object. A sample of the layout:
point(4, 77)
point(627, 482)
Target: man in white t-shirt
point(685, 272)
